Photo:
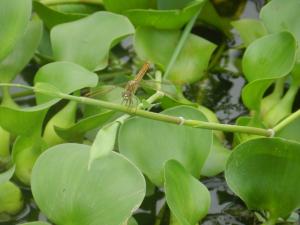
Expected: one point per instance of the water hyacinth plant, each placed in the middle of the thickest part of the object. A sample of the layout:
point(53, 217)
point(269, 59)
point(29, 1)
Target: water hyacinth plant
point(87, 137)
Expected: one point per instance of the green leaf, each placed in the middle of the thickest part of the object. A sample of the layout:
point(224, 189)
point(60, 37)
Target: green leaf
point(14, 18)
point(119, 6)
point(64, 118)
point(104, 142)
point(253, 93)
point(149, 144)
point(11, 201)
point(91, 50)
point(158, 45)
point(290, 131)
point(265, 60)
point(270, 57)
point(71, 77)
point(249, 30)
point(24, 154)
point(22, 52)
point(278, 16)
point(216, 160)
point(52, 17)
point(24, 121)
point(164, 19)
point(264, 173)
point(188, 198)
point(78, 130)
point(5, 176)
point(107, 194)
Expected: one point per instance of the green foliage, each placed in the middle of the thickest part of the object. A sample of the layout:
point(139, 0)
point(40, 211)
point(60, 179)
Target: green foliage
point(103, 187)
point(13, 22)
point(75, 56)
point(149, 144)
point(158, 46)
point(188, 199)
point(264, 173)
point(91, 50)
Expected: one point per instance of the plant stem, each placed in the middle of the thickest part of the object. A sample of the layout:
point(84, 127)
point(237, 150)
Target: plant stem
point(150, 115)
point(160, 215)
point(183, 38)
point(217, 56)
point(287, 121)
point(53, 2)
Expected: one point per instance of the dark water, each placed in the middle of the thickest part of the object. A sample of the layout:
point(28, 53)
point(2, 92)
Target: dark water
point(221, 93)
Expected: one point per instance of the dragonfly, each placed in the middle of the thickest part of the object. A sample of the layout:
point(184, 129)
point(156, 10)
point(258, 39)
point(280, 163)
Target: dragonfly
point(131, 87)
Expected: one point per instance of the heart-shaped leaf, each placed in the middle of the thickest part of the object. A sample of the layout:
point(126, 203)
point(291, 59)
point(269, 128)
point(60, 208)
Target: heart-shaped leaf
point(80, 196)
point(264, 173)
point(91, 50)
point(158, 45)
point(272, 56)
point(71, 77)
point(22, 52)
point(149, 144)
point(188, 198)
point(14, 18)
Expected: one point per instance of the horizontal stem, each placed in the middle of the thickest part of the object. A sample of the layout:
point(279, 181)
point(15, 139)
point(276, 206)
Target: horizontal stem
point(151, 115)
point(53, 2)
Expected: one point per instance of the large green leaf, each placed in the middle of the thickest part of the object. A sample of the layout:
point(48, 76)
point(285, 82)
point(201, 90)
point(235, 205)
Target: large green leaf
point(158, 46)
point(149, 144)
point(187, 197)
point(264, 173)
point(107, 194)
point(71, 77)
point(14, 17)
point(271, 56)
point(104, 30)
point(53, 17)
point(22, 52)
